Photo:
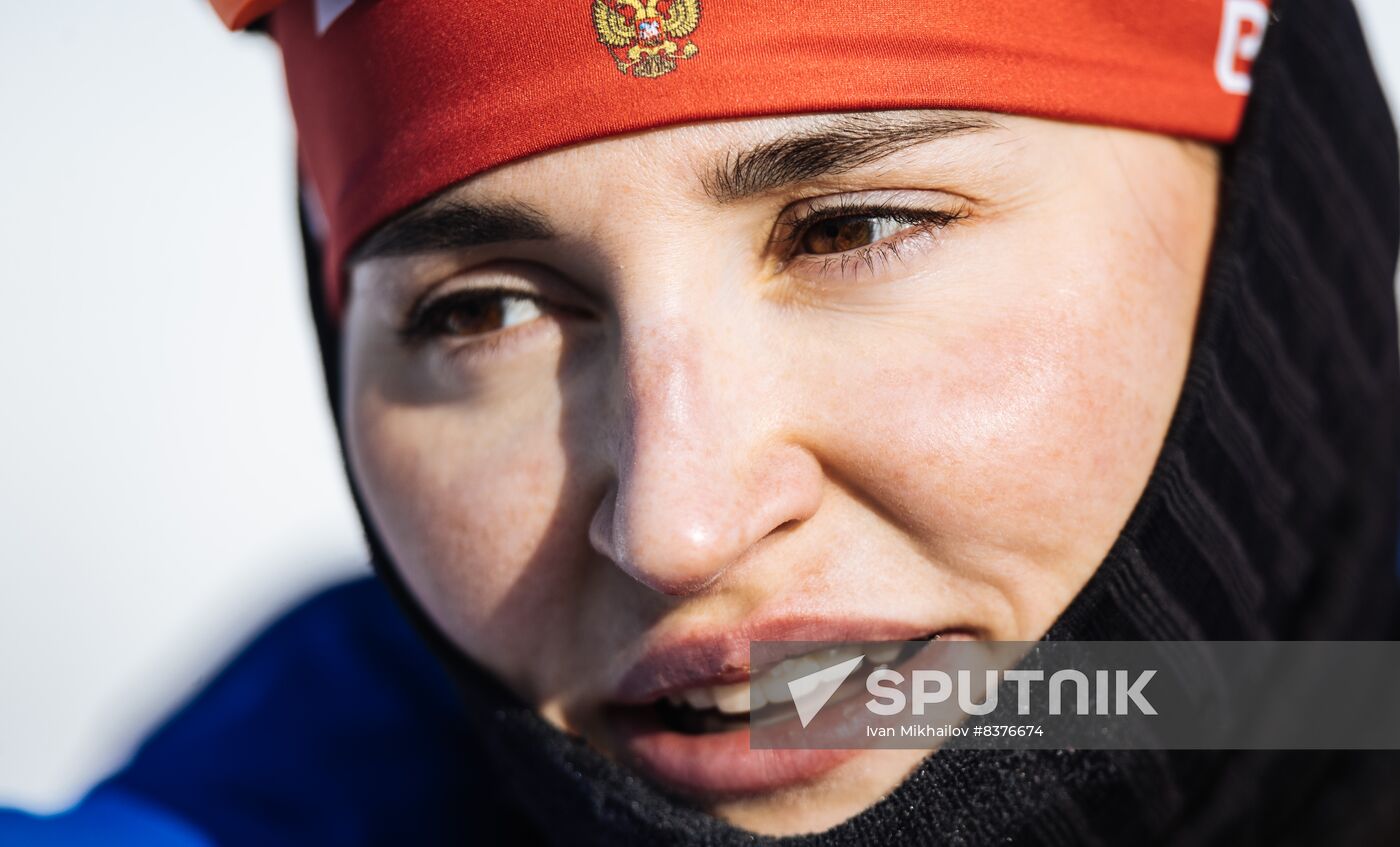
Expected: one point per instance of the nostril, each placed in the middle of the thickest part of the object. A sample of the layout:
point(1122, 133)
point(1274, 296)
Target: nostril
point(601, 530)
point(785, 526)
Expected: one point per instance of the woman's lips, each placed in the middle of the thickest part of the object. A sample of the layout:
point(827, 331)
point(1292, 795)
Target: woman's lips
point(714, 764)
point(722, 763)
point(674, 664)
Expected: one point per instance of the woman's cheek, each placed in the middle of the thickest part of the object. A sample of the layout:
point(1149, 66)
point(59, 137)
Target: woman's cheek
point(1006, 448)
point(470, 508)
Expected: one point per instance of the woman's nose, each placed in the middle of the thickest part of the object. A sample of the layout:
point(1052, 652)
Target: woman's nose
point(702, 470)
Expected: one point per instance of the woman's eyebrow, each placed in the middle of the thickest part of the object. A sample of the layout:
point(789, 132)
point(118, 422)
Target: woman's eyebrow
point(833, 147)
point(453, 225)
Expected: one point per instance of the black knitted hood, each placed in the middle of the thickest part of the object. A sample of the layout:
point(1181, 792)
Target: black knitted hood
point(1271, 514)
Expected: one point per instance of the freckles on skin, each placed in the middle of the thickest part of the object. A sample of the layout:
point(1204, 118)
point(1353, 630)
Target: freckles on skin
point(472, 511)
point(1012, 432)
point(968, 453)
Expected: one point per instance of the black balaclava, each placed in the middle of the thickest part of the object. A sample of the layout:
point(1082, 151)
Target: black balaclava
point(1271, 513)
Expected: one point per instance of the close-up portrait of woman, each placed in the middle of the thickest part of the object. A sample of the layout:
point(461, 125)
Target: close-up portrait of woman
point(652, 330)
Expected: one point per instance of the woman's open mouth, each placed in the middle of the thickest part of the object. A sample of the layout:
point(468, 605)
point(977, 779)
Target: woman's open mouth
point(684, 711)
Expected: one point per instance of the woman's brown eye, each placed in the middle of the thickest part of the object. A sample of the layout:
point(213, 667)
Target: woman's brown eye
point(477, 313)
point(837, 235)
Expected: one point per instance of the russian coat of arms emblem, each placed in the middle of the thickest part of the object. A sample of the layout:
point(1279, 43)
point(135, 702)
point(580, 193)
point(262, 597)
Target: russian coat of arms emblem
point(647, 38)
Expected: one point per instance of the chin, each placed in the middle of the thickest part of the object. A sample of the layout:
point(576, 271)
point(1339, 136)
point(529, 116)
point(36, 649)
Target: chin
point(841, 794)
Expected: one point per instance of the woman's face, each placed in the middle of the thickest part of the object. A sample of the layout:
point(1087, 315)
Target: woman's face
point(618, 408)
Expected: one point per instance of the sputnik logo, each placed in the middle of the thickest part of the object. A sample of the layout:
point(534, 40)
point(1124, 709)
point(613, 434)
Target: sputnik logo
point(810, 692)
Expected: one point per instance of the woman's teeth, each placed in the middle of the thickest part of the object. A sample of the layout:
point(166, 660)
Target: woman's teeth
point(731, 699)
point(883, 653)
point(700, 698)
point(734, 699)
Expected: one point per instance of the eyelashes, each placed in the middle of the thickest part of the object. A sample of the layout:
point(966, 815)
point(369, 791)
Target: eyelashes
point(470, 313)
point(841, 237)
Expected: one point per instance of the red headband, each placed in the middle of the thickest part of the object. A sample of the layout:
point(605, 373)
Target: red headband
point(396, 100)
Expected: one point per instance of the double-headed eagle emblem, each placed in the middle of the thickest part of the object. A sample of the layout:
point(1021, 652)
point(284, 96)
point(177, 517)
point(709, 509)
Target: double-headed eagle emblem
point(647, 37)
